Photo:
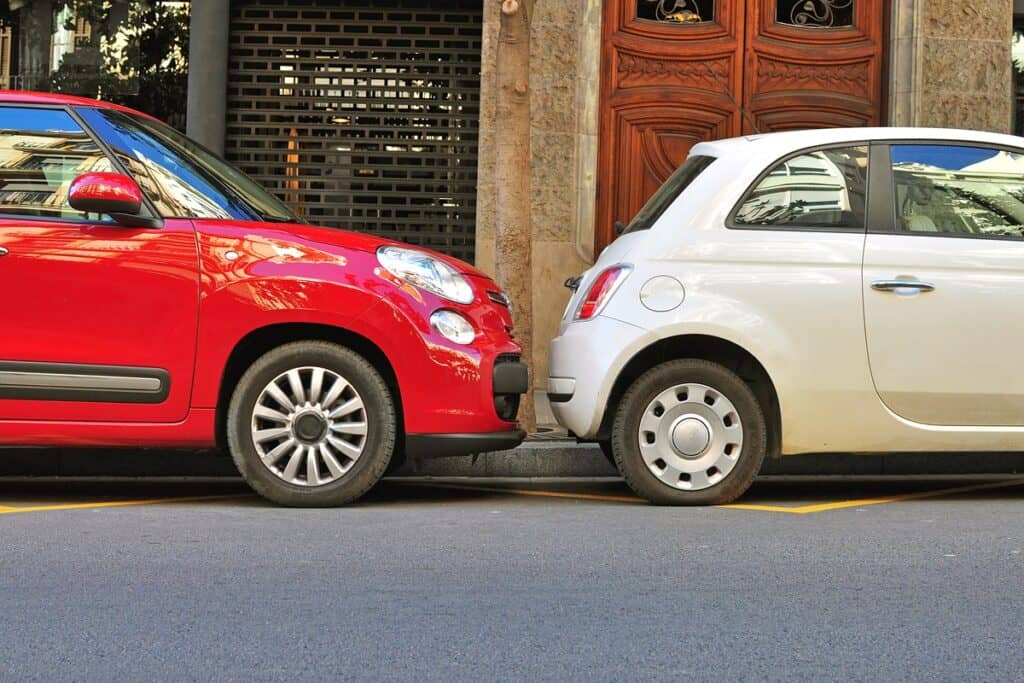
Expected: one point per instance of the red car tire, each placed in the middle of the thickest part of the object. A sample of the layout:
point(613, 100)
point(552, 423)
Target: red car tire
point(312, 424)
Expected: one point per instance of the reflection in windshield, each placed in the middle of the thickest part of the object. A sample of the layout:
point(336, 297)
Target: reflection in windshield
point(171, 193)
point(960, 190)
point(180, 177)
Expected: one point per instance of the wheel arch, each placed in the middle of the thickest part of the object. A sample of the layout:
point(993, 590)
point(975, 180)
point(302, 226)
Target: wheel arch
point(261, 340)
point(704, 347)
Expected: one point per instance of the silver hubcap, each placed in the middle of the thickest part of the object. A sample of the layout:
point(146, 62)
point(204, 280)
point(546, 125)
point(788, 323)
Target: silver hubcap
point(690, 436)
point(309, 426)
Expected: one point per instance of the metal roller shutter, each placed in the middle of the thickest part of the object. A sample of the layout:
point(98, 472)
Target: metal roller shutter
point(362, 114)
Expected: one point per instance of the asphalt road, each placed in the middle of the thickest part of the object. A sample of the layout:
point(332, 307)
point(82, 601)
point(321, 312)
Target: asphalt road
point(818, 579)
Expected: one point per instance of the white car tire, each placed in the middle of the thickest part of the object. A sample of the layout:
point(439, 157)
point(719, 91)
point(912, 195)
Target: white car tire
point(689, 432)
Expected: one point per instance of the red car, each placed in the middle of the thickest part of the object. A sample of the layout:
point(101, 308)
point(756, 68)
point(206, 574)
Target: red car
point(155, 296)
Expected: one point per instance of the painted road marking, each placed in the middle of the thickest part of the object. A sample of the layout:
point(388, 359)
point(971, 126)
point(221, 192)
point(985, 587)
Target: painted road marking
point(881, 500)
point(526, 492)
point(8, 510)
point(565, 495)
point(789, 509)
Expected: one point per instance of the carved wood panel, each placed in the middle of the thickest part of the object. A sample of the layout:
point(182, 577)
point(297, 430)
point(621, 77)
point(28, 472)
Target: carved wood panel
point(668, 84)
point(665, 87)
point(815, 76)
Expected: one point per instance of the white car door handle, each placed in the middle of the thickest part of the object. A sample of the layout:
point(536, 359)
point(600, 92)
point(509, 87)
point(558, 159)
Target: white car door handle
point(902, 286)
point(3, 251)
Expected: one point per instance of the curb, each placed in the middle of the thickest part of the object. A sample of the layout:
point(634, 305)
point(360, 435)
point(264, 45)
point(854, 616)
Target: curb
point(541, 458)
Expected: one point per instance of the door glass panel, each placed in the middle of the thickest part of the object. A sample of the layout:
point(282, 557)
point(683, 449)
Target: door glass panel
point(41, 152)
point(966, 191)
point(823, 189)
point(676, 11)
point(815, 13)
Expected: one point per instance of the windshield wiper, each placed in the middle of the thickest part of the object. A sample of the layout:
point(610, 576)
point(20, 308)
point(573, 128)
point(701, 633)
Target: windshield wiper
point(271, 218)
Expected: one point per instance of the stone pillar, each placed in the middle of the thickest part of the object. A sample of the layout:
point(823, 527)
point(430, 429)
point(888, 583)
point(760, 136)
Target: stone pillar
point(209, 27)
point(563, 133)
point(951, 64)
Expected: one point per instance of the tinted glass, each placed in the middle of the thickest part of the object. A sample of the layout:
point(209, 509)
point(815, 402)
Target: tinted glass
point(41, 152)
point(815, 13)
point(824, 189)
point(958, 190)
point(183, 179)
point(676, 11)
point(667, 193)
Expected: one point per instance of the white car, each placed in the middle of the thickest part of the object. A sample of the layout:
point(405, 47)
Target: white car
point(841, 290)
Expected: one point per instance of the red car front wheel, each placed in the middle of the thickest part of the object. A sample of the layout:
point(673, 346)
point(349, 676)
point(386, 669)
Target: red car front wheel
point(312, 424)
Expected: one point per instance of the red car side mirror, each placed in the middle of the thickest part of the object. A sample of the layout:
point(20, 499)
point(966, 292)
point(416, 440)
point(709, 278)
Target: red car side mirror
point(107, 193)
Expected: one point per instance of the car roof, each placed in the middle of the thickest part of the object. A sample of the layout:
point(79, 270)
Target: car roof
point(60, 99)
point(782, 143)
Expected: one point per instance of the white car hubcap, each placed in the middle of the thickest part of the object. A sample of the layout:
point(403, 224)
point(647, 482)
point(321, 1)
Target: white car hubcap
point(690, 436)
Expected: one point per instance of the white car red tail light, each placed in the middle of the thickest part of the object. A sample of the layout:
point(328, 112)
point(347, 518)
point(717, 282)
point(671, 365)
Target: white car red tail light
point(602, 290)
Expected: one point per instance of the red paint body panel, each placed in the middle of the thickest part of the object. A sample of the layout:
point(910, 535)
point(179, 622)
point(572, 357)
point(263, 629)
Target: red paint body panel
point(193, 432)
point(58, 99)
point(181, 298)
point(100, 294)
point(303, 274)
point(275, 277)
point(105, 193)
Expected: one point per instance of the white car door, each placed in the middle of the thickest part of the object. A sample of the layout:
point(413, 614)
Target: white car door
point(944, 285)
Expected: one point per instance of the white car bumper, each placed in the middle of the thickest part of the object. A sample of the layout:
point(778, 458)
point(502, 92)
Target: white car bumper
point(584, 362)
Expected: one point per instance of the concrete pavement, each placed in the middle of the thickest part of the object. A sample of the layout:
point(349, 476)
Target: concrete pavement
point(812, 578)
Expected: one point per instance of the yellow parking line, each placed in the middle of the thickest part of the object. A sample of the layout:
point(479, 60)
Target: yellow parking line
point(789, 509)
point(864, 502)
point(529, 492)
point(8, 510)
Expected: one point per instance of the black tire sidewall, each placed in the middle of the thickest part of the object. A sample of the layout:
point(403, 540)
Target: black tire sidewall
point(378, 404)
point(626, 447)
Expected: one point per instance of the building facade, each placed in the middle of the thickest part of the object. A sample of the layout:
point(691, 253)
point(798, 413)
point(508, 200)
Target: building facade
point(380, 115)
point(621, 89)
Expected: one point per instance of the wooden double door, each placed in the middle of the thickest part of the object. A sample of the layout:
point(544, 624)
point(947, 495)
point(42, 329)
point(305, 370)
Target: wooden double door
point(675, 71)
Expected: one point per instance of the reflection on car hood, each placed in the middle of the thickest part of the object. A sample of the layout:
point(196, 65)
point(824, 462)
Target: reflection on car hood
point(348, 239)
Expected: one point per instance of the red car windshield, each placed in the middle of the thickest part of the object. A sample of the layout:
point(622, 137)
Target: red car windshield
point(181, 177)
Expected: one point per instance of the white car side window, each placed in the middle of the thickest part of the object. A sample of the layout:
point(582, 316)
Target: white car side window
point(955, 189)
point(823, 188)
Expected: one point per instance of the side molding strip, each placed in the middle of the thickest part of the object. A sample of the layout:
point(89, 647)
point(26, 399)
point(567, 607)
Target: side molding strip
point(83, 383)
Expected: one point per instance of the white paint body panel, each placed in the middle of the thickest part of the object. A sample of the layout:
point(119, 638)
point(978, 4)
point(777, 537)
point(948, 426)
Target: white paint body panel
point(801, 303)
point(949, 356)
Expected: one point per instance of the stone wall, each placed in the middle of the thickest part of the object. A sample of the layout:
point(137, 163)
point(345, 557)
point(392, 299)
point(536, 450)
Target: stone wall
point(950, 64)
point(563, 140)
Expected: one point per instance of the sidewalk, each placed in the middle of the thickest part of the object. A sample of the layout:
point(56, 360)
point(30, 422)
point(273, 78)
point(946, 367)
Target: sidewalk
point(548, 453)
point(542, 455)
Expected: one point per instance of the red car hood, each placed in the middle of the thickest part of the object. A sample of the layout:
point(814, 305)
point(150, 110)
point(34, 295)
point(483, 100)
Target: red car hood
point(362, 241)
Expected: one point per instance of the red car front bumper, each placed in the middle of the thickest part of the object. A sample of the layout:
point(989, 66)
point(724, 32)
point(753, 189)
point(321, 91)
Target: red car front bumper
point(456, 399)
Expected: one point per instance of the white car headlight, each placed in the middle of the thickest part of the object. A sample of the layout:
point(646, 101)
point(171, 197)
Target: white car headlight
point(422, 270)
